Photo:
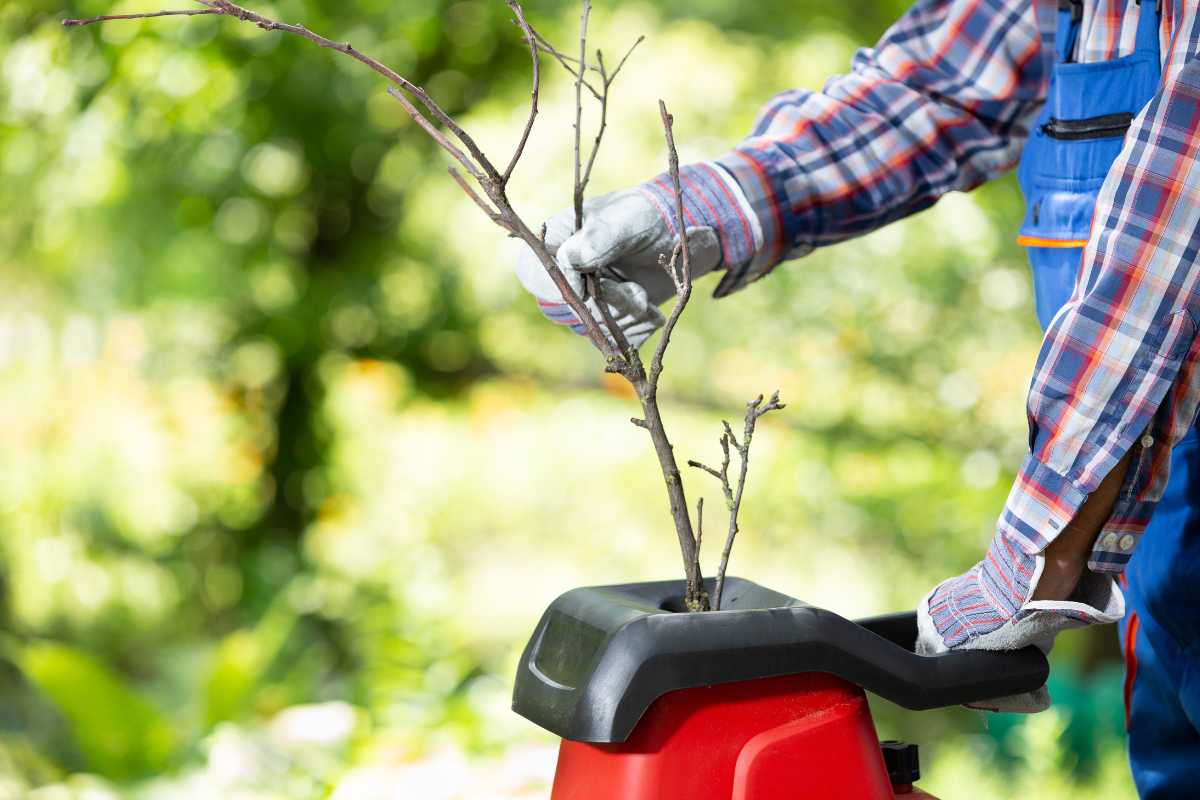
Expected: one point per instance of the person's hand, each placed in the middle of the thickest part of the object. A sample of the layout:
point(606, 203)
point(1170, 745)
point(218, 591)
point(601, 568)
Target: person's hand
point(991, 608)
point(1013, 598)
point(622, 238)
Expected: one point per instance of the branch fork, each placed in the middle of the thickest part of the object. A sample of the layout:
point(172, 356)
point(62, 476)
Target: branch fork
point(486, 185)
point(733, 491)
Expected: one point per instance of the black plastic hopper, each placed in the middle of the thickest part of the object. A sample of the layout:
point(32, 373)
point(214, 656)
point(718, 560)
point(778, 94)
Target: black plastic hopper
point(601, 655)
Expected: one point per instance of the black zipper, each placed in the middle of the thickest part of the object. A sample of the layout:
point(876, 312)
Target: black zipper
point(1105, 127)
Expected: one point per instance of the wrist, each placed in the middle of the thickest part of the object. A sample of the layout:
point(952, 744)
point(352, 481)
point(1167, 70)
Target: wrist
point(1060, 575)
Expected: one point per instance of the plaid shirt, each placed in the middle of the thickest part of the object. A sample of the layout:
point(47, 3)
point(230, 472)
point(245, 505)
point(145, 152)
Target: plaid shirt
point(944, 102)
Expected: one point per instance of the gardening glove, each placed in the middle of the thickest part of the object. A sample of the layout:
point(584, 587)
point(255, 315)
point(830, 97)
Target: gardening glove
point(624, 234)
point(989, 608)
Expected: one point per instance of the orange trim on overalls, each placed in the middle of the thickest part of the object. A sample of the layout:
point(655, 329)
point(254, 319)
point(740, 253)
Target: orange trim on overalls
point(1038, 241)
point(1131, 662)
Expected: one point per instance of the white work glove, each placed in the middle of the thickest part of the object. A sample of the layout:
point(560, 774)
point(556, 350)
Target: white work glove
point(971, 612)
point(622, 237)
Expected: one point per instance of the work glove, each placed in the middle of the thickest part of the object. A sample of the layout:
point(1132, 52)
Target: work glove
point(989, 608)
point(623, 238)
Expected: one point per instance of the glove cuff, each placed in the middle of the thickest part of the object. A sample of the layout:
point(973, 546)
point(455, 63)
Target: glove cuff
point(711, 198)
point(989, 608)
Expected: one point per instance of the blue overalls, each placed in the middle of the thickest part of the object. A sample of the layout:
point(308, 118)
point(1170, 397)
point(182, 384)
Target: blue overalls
point(1076, 139)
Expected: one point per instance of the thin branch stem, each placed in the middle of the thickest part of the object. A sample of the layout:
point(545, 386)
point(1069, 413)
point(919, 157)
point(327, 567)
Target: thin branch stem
point(582, 182)
point(450, 137)
point(592, 285)
point(492, 213)
point(733, 494)
point(438, 137)
point(625, 57)
point(586, 10)
point(646, 385)
point(602, 98)
point(187, 12)
point(683, 283)
point(229, 9)
point(519, 14)
point(469, 155)
point(563, 59)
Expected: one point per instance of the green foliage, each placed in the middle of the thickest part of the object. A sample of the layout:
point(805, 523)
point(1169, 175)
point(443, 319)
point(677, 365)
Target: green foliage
point(240, 665)
point(119, 734)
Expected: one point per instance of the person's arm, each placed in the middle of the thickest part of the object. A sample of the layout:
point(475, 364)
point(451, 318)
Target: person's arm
point(943, 102)
point(1117, 384)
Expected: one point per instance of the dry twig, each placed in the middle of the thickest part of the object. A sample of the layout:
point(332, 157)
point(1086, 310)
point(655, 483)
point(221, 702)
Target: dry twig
point(628, 362)
point(491, 183)
point(733, 494)
point(457, 142)
point(186, 12)
point(579, 185)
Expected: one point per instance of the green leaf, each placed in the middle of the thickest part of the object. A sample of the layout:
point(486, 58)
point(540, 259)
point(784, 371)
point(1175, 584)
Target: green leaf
point(241, 663)
point(119, 734)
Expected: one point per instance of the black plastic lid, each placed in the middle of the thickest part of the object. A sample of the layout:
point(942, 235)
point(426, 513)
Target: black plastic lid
point(601, 655)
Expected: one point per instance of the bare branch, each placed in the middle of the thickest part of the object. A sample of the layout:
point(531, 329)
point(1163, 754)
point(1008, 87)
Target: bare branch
point(772, 405)
point(229, 9)
point(733, 495)
point(579, 186)
point(592, 282)
point(602, 98)
point(625, 58)
point(564, 60)
point(188, 12)
point(592, 285)
point(706, 468)
point(519, 13)
point(683, 288)
point(729, 434)
point(545, 46)
point(537, 244)
point(492, 213)
point(438, 137)
point(582, 182)
point(450, 137)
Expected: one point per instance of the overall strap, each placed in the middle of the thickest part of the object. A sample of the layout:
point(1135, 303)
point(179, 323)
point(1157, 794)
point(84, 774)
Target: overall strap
point(1070, 12)
point(1149, 22)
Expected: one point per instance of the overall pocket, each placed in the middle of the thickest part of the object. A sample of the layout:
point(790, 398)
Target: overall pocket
point(1105, 126)
point(1070, 150)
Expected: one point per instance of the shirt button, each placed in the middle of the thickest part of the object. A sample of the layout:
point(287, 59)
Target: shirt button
point(1109, 540)
point(1126, 543)
point(1147, 441)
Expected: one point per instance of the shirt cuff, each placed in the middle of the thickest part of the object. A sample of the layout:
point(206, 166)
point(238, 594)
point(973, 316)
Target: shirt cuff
point(767, 196)
point(1042, 502)
point(1039, 506)
point(711, 198)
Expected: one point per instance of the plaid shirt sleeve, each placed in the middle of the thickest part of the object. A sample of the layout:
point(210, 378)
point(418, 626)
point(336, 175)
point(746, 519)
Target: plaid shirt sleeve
point(943, 102)
point(1118, 366)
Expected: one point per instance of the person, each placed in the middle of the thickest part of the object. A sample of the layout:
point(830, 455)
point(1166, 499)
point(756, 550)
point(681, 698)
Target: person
point(1099, 100)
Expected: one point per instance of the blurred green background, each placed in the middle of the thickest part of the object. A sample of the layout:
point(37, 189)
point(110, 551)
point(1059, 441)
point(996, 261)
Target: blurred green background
point(289, 464)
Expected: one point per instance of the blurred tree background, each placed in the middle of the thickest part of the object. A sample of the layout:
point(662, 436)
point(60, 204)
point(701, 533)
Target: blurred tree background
point(289, 464)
